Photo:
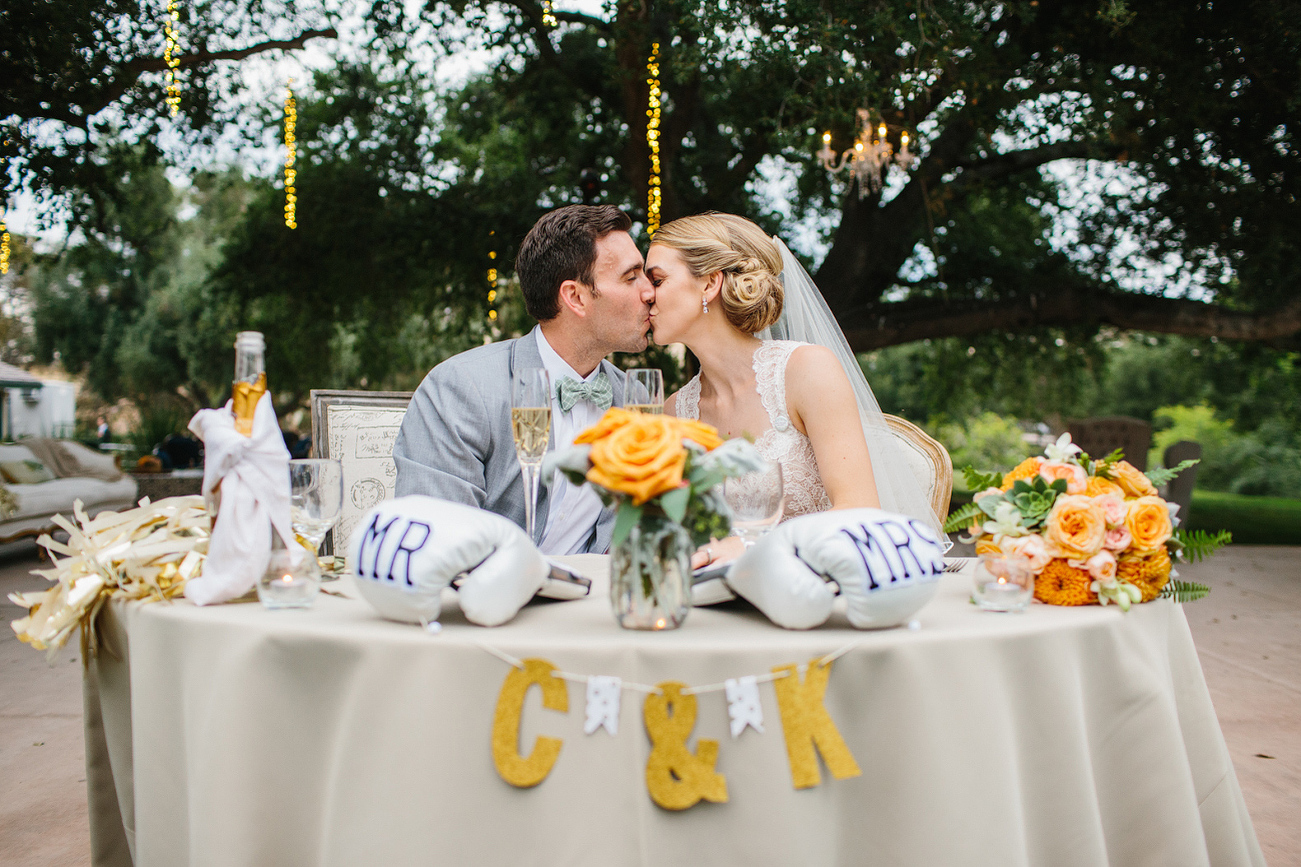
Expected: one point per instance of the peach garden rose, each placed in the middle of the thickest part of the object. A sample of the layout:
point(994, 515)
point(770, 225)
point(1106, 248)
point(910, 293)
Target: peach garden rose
point(1148, 521)
point(1076, 479)
point(1075, 528)
point(1131, 480)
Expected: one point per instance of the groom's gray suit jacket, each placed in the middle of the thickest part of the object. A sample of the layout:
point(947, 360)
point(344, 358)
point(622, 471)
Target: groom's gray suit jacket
point(456, 442)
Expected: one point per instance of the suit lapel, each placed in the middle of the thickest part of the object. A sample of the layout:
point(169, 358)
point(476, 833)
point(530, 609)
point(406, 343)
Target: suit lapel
point(524, 354)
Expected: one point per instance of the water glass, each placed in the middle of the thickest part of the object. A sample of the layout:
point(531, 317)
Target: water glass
point(643, 390)
point(756, 502)
point(1003, 582)
point(315, 498)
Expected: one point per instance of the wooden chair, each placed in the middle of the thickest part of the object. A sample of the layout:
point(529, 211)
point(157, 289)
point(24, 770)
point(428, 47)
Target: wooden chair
point(1100, 436)
point(928, 460)
point(358, 429)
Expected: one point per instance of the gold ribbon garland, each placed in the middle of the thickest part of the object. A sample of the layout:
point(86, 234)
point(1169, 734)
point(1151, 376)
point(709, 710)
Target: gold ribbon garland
point(653, 140)
point(291, 155)
point(492, 281)
point(170, 57)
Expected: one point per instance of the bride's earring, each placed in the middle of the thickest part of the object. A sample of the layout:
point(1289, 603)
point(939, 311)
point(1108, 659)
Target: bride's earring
point(704, 303)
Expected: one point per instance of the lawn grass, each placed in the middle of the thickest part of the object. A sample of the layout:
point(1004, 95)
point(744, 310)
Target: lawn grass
point(1251, 520)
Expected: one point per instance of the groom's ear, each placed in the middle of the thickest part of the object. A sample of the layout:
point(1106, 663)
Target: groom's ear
point(573, 298)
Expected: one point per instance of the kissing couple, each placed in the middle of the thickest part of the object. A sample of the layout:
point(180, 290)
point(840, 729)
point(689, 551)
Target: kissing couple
point(774, 365)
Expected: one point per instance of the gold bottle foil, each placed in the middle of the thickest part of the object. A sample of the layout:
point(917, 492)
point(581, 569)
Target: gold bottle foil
point(245, 396)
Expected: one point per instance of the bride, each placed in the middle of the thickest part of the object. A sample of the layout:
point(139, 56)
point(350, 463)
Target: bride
point(725, 289)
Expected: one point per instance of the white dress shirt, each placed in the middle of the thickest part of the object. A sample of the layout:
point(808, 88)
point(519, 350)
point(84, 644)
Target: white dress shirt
point(574, 509)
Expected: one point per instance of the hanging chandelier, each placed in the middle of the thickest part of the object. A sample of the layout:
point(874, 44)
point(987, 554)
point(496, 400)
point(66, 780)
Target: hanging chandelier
point(871, 157)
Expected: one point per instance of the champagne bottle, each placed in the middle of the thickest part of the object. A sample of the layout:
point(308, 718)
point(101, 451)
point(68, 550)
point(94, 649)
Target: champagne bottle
point(250, 378)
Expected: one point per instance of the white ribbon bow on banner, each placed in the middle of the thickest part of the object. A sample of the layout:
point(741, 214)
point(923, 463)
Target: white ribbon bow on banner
point(253, 473)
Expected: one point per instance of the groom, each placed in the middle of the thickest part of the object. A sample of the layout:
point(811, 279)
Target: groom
point(583, 280)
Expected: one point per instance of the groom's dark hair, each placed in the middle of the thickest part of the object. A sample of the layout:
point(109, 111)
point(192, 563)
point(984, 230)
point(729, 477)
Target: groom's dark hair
point(562, 246)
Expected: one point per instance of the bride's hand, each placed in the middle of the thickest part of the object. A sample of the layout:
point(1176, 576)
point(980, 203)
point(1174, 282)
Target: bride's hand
point(718, 551)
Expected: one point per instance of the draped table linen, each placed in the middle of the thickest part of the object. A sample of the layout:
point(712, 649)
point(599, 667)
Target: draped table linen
point(232, 735)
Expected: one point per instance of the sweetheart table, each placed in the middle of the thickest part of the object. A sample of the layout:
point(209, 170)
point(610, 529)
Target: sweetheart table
point(232, 735)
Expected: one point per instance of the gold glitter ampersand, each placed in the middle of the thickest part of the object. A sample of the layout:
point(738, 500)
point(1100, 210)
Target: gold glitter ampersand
point(515, 769)
point(675, 778)
point(807, 725)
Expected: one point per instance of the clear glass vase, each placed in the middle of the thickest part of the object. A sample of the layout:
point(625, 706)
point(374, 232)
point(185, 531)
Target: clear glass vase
point(650, 575)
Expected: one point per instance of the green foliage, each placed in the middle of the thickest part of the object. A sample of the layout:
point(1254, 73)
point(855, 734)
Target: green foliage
point(961, 518)
point(977, 481)
point(158, 418)
point(1251, 520)
point(1161, 475)
point(1184, 591)
point(985, 440)
point(1197, 545)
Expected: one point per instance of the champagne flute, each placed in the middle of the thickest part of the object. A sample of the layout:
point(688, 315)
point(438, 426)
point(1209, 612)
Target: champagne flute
point(756, 502)
point(530, 422)
point(315, 498)
point(643, 390)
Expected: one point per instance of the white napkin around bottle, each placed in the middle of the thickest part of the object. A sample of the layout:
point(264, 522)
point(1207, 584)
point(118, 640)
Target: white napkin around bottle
point(254, 476)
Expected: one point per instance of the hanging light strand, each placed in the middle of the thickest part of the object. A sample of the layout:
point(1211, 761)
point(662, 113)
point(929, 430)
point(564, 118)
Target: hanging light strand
point(548, 14)
point(291, 156)
point(492, 280)
point(171, 58)
point(4, 247)
point(653, 140)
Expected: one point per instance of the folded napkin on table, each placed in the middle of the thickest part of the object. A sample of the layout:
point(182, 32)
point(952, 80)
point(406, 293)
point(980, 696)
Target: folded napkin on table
point(254, 476)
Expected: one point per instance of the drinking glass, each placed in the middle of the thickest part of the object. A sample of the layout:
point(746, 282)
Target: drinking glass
point(315, 498)
point(643, 390)
point(1003, 582)
point(756, 502)
point(530, 422)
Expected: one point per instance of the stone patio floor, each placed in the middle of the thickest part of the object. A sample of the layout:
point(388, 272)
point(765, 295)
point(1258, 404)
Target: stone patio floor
point(1248, 635)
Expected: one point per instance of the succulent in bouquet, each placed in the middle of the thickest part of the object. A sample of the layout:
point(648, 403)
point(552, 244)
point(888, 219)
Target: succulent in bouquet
point(643, 465)
point(1091, 531)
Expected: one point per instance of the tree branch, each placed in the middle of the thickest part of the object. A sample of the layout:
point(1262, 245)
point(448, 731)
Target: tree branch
point(158, 64)
point(893, 324)
point(1004, 164)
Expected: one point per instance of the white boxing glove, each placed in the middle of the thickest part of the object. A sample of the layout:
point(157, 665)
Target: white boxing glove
point(405, 551)
point(888, 566)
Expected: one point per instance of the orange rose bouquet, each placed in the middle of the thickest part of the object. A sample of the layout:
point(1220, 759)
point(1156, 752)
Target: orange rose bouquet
point(1090, 531)
point(657, 465)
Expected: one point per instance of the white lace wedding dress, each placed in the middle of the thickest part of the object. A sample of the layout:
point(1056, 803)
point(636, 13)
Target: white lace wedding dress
point(782, 442)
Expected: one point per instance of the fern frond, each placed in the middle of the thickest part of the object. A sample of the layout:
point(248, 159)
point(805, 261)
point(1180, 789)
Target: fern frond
point(1161, 476)
point(978, 481)
point(1184, 591)
point(961, 519)
point(1195, 545)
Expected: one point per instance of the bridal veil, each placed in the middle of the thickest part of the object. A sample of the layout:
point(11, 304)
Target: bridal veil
point(807, 318)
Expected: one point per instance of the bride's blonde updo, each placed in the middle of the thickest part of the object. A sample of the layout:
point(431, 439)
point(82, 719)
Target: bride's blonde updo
point(747, 258)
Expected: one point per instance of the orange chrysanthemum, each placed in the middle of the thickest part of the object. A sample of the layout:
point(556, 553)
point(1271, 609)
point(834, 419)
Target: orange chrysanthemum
point(1027, 469)
point(1062, 584)
point(1149, 574)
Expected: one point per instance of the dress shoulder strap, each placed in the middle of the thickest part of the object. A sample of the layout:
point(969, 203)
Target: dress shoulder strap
point(770, 362)
point(688, 403)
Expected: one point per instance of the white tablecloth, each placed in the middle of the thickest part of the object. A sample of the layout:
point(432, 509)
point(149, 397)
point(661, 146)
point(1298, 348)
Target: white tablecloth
point(233, 735)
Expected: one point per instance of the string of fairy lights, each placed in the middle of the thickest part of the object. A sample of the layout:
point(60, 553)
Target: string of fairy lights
point(170, 57)
point(492, 277)
point(291, 156)
point(653, 140)
point(4, 247)
point(548, 14)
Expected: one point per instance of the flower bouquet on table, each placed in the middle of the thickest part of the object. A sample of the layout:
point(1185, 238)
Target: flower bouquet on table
point(661, 475)
point(1091, 531)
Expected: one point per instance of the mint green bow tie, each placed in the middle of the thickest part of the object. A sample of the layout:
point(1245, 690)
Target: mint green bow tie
point(598, 391)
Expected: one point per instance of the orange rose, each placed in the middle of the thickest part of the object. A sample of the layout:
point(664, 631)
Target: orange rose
point(642, 457)
point(1075, 528)
point(1131, 480)
point(698, 432)
point(1076, 479)
point(1148, 521)
point(1100, 487)
point(1027, 469)
point(613, 418)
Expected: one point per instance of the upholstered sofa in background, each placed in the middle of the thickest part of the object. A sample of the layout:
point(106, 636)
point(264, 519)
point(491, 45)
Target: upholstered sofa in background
point(44, 477)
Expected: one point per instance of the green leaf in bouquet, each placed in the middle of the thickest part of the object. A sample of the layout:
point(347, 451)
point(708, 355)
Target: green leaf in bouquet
point(1184, 591)
point(978, 481)
point(1195, 545)
point(989, 505)
point(674, 503)
point(962, 518)
point(1035, 499)
point(624, 520)
point(1161, 476)
point(1102, 466)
